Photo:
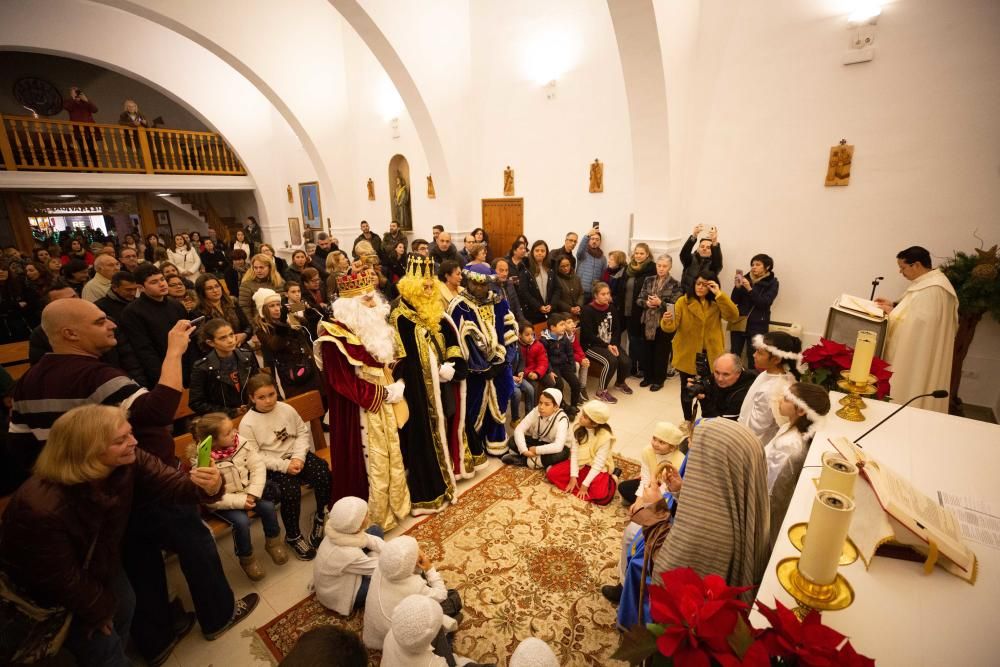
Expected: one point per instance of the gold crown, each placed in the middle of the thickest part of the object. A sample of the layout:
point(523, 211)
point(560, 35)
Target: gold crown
point(356, 284)
point(420, 267)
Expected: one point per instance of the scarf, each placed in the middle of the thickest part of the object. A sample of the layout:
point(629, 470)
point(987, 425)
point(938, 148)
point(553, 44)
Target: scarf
point(595, 252)
point(222, 454)
point(601, 308)
point(754, 281)
point(635, 269)
point(722, 525)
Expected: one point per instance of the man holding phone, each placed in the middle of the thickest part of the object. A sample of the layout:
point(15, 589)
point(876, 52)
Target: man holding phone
point(590, 261)
point(706, 256)
point(82, 110)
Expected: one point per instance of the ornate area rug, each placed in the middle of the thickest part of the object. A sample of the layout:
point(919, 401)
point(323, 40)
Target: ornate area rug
point(527, 559)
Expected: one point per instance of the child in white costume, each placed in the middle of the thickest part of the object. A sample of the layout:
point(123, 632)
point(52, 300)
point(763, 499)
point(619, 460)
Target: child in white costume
point(777, 357)
point(347, 557)
point(415, 623)
point(533, 652)
point(540, 438)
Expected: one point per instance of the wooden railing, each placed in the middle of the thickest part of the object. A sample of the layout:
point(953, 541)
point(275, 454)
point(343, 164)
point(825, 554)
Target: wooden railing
point(34, 144)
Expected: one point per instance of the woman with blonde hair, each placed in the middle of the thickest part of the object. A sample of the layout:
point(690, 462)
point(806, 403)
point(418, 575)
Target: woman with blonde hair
point(262, 273)
point(281, 264)
point(337, 264)
point(60, 541)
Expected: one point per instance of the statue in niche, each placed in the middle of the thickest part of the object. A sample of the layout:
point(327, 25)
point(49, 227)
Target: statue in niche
point(401, 204)
point(838, 171)
point(371, 190)
point(430, 187)
point(596, 176)
point(508, 182)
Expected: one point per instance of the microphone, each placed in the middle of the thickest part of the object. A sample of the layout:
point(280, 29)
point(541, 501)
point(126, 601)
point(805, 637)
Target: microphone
point(875, 283)
point(937, 393)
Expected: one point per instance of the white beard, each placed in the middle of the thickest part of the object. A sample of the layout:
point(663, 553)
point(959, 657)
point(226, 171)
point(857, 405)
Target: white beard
point(368, 324)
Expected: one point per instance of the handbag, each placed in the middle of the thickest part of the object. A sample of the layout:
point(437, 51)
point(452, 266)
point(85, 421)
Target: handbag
point(30, 632)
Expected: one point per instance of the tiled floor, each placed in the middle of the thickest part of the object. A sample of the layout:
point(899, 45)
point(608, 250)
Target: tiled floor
point(632, 420)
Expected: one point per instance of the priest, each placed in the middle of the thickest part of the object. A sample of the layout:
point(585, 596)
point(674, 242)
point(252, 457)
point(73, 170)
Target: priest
point(920, 341)
point(355, 352)
point(432, 366)
point(487, 333)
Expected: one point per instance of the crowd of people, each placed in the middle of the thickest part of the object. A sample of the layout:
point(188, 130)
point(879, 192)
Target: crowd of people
point(428, 359)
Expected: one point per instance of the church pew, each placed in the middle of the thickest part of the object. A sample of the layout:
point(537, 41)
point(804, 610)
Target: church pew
point(14, 358)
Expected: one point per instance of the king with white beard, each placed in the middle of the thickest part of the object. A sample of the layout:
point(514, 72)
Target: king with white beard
point(354, 352)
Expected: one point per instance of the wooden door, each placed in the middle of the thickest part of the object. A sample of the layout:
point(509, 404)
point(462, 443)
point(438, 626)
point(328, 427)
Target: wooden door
point(503, 220)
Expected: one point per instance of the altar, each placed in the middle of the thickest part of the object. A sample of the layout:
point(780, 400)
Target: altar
point(899, 615)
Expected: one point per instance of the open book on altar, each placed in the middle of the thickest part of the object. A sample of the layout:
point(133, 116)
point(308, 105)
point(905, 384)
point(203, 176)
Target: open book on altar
point(890, 510)
point(859, 305)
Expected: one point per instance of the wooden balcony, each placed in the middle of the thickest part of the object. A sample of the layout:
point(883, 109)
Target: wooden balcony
point(35, 144)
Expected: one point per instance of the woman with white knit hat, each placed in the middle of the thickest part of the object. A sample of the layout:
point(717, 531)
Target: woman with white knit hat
point(590, 457)
point(540, 438)
point(347, 556)
point(286, 346)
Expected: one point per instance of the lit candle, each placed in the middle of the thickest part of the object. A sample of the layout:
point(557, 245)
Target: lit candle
point(864, 351)
point(828, 524)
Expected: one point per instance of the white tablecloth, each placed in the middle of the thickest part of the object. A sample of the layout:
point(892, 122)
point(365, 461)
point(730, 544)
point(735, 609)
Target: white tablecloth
point(900, 616)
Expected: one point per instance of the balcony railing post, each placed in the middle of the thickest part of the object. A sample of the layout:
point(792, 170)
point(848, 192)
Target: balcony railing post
point(147, 156)
point(5, 150)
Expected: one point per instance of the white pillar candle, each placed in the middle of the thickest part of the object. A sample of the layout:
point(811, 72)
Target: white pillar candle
point(828, 524)
point(864, 352)
point(838, 474)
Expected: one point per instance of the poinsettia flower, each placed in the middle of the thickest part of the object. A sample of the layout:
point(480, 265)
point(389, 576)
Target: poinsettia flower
point(808, 641)
point(848, 657)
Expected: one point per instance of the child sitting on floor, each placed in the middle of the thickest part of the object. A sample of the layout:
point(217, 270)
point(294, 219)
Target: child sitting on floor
point(284, 441)
point(243, 472)
point(395, 579)
point(590, 456)
point(533, 652)
point(540, 439)
point(347, 557)
point(663, 448)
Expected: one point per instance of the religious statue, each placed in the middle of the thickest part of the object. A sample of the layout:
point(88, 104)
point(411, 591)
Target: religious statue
point(430, 187)
point(401, 204)
point(838, 172)
point(290, 197)
point(596, 176)
point(371, 190)
point(508, 182)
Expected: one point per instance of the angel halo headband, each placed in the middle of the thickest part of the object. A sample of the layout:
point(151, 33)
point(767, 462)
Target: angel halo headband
point(815, 418)
point(759, 344)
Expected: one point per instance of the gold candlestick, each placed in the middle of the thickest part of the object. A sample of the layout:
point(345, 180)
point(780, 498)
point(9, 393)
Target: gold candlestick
point(824, 597)
point(853, 403)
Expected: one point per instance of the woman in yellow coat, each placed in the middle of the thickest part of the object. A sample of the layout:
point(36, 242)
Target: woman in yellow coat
point(696, 322)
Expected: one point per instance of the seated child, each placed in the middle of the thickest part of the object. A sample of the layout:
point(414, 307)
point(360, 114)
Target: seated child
point(804, 405)
point(243, 472)
point(522, 384)
point(536, 360)
point(219, 379)
point(533, 652)
point(777, 356)
point(394, 580)
point(540, 439)
point(579, 356)
point(591, 448)
point(284, 441)
point(346, 559)
point(561, 363)
point(664, 448)
point(416, 623)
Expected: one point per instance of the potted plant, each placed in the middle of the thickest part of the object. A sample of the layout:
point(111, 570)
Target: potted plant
point(826, 359)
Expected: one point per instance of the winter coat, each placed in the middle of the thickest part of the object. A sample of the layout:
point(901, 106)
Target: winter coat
point(669, 292)
point(588, 267)
point(536, 359)
point(243, 474)
point(693, 263)
point(698, 326)
point(755, 304)
point(559, 351)
point(570, 293)
point(532, 298)
point(213, 391)
point(187, 261)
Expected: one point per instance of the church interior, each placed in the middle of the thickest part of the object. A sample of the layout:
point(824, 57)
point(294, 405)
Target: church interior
point(828, 134)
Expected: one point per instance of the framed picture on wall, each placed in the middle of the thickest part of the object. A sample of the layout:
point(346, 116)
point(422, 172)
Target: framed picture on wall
point(294, 231)
point(163, 227)
point(312, 216)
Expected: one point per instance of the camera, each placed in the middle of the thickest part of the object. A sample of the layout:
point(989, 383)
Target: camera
point(704, 381)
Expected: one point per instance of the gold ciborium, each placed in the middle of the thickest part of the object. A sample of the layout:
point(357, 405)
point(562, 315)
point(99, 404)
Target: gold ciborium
point(854, 403)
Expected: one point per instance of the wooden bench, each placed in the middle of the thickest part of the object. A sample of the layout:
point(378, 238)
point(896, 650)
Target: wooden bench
point(310, 408)
point(14, 358)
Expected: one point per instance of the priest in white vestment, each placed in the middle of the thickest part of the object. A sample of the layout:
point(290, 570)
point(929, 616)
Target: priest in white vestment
point(920, 341)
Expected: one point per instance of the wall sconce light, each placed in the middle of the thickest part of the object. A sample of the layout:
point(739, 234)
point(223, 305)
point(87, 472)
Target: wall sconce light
point(550, 90)
point(861, 23)
point(394, 123)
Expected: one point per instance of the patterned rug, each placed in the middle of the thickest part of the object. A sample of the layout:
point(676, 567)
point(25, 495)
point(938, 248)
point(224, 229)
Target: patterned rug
point(527, 560)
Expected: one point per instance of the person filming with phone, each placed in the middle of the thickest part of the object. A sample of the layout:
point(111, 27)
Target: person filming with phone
point(696, 322)
point(82, 110)
point(753, 293)
point(699, 253)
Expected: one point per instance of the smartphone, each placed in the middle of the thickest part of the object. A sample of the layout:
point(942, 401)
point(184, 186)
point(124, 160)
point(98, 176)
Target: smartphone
point(739, 277)
point(205, 453)
point(198, 320)
point(670, 309)
point(597, 224)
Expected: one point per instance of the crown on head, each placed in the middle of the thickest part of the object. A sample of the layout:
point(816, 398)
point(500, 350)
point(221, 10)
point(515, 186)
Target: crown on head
point(356, 284)
point(420, 267)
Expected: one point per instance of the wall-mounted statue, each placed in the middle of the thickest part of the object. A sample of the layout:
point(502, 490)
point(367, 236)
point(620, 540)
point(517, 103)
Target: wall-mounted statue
point(401, 201)
point(838, 171)
point(371, 190)
point(508, 182)
point(430, 187)
point(291, 199)
point(596, 176)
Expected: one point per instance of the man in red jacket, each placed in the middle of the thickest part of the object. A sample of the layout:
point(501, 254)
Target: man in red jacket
point(82, 110)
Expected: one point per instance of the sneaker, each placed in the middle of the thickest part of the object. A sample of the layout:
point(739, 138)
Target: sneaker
point(671, 372)
point(624, 388)
point(655, 387)
point(300, 548)
point(244, 607)
point(606, 397)
point(584, 396)
point(275, 548)
point(252, 568)
point(183, 622)
point(513, 459)
point(612, 594)
point(645, 383)
point(318, 531)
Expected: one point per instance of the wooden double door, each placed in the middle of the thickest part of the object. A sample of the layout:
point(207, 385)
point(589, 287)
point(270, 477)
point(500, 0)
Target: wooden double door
point(503, 220)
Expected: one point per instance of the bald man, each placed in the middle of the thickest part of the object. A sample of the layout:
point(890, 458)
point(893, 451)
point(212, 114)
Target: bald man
point(97, 287)
point(73, 374)
point(725, 397)
point(444, 249)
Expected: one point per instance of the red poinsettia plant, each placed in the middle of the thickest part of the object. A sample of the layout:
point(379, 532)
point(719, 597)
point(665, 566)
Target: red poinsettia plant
point(828, 358)
point(699, 622)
